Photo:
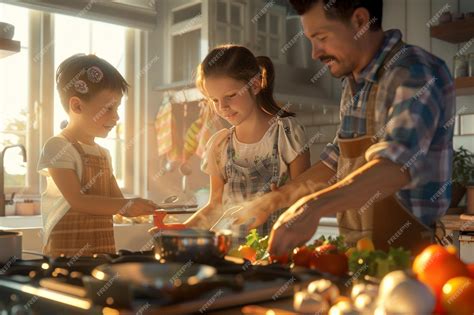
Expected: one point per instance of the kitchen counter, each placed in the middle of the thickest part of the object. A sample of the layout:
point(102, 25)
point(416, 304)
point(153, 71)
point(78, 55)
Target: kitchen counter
point(456, 223)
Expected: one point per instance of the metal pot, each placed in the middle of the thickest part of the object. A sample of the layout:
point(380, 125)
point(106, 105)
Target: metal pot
point(199, 246)
point(10, 244)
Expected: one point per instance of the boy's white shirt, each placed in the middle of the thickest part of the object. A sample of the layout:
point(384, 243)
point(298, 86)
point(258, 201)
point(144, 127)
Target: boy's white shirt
point(60, 153)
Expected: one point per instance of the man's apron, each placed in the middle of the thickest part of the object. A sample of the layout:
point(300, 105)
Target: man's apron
point(386, 221)
point(81, 234)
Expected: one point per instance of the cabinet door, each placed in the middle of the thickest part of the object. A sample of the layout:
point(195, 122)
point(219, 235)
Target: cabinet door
point(269, 25)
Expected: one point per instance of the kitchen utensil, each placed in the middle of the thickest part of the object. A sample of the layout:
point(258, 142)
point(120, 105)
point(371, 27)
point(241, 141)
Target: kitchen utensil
point(170, 199)
point(10, 244)
point(192, 244)
point(175, 242)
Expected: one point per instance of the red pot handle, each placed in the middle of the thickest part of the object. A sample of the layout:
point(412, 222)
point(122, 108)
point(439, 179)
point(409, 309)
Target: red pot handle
point(158, 218)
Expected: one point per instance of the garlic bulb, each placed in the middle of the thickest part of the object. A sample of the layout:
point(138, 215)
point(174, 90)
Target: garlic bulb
point(306, 302)
point(325, 288)
point(410, 297)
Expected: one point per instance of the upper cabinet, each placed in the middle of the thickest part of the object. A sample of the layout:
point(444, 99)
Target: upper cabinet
point(257, 24)
point(229, 20)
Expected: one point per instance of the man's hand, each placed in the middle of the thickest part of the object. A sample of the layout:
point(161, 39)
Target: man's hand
point(257, 211)
point(295, 226)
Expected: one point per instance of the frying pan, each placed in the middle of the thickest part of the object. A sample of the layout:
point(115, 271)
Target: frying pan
point(165, 283)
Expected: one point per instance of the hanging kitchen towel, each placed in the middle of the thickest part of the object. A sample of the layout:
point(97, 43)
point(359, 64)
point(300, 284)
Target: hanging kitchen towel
point(190, 139)
point(210, 125)
point(164, 129)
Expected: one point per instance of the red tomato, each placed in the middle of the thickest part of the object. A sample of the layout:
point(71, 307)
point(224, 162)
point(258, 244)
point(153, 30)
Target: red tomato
point(326, 248)
point(302, 256)
point(282, 259)
point(336, 264)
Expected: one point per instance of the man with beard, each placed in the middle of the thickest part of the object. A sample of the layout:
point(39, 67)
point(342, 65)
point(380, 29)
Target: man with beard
point(386, 174)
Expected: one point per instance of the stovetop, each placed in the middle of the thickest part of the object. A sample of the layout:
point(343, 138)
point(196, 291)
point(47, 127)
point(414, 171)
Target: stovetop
point(65, 286)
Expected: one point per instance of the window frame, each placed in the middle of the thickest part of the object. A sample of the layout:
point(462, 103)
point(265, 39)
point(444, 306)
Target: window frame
point(41, 92)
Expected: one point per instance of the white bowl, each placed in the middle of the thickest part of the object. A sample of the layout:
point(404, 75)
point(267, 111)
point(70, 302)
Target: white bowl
point(6, 30)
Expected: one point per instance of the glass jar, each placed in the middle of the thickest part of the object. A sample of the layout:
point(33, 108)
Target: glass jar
point(461, 66)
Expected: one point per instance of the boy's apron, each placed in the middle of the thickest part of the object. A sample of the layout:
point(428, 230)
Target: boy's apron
point(387, 222)
point(82, 234)
point(247, 183)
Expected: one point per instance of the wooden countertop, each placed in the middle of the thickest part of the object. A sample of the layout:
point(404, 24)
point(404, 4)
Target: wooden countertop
point(457, 223)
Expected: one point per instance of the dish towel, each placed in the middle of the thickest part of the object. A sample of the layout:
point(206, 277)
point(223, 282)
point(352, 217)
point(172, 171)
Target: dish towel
point(210, 125)
point(164, 129)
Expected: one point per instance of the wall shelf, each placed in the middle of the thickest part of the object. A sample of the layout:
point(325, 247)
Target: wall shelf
point(464, 86)
point(8, 47)
point(454, 32)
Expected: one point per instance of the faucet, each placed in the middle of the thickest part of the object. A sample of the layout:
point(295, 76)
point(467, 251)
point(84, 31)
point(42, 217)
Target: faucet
point(4, 201)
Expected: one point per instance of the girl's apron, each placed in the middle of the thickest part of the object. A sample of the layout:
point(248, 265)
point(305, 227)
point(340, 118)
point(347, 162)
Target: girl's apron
point(247, 183)
point(386, 221)
point(82, 234)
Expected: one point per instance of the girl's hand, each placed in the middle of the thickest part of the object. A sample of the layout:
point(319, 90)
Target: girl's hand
point(137, 206)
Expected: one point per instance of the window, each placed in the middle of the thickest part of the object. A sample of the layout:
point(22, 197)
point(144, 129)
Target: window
point(93, 38)
point(185, 41)
point(27, 91)
point(270, 28)
point(14, 97)
point(229, 22)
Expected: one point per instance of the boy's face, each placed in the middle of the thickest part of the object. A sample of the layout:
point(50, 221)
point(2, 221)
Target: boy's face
point(99, 115)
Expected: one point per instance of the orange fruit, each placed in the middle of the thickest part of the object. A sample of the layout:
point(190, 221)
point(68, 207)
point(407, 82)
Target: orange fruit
point(435, 265)
point(248, 253)
point(365, 244)
point(471, 270)
point(457, 296)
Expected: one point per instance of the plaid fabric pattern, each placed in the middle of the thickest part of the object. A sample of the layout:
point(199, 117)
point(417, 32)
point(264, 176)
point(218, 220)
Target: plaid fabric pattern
point(415, 110)
point(246, 183)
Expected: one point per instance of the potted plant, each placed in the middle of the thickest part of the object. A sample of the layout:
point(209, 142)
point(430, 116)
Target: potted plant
point(463, 173)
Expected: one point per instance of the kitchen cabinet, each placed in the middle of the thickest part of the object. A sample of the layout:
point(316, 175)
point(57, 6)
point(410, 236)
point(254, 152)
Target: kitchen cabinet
point(259, 25)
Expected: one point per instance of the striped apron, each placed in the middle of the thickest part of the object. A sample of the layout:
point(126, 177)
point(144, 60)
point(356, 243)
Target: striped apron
point(386, 221)
point(82, 234)
point(247, 183)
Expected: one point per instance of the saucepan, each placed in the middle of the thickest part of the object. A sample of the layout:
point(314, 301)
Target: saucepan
point(176, 242)
point(10, 244)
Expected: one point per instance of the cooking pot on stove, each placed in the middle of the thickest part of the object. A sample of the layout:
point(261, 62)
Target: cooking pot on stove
point(176, 242)
point(10, 244)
